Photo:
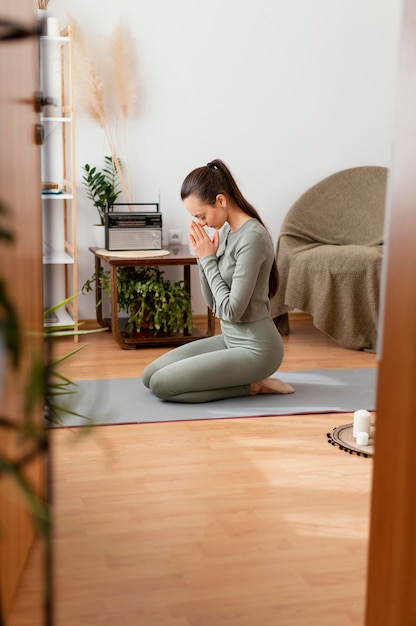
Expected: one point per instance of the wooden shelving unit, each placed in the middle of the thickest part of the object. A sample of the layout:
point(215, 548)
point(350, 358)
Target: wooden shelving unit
point(58, 167)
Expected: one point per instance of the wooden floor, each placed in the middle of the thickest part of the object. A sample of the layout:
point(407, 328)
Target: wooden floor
point(237, 522)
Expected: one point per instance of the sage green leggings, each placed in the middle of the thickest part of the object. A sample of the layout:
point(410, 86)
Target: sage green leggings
point(218, 367)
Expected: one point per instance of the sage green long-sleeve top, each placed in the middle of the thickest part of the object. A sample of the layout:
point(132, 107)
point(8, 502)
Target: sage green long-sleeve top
point(235, 284)
point(235, 281)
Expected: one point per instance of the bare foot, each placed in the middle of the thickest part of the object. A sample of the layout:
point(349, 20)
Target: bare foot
point(270, 385)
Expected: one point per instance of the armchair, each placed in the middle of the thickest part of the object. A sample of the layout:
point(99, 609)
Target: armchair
point(329, 255)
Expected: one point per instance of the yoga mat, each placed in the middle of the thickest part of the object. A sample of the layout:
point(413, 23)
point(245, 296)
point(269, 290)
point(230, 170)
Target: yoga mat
point(127, 401)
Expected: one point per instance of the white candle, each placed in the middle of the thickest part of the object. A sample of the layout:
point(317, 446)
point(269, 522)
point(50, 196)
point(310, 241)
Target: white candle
point(362, 422)
point(362, 439)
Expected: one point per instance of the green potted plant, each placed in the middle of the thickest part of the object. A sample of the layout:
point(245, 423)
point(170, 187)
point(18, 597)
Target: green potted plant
point(103, 189)
point(155, 306)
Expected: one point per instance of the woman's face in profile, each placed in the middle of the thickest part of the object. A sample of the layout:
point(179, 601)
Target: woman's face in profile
point(210, 215)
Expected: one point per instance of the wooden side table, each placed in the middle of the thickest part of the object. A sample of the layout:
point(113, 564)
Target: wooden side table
point(178, 255)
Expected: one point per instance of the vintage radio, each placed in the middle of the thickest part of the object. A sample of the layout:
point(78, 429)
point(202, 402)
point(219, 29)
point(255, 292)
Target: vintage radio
point(133, 230)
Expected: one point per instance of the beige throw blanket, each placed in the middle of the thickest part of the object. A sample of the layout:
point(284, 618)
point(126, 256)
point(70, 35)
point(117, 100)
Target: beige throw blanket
point(329, 256)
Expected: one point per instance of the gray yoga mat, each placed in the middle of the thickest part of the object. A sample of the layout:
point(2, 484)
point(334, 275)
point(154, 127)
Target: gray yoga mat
point(127, 401)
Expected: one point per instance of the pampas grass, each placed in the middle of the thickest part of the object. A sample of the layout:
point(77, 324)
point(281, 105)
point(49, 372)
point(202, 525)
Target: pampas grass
point(123, 72)
point(89, 84)
point(43, 4)
point(108, 91)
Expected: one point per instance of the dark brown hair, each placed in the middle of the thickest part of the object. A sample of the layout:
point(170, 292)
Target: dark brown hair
point(207, 182)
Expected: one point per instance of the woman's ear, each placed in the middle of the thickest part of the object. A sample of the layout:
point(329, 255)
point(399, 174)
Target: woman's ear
point(221, 201)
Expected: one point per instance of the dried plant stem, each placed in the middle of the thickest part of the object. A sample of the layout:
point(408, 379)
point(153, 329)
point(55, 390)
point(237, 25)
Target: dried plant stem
point(127, 155)
point(116, 161)
point(123, 79)
point(96, 97)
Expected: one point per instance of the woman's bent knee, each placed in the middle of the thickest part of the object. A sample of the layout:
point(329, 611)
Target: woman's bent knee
point(159, 387)
point(146, 376)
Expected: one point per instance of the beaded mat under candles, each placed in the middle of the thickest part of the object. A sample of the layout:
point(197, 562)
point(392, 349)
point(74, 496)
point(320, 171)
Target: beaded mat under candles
point(132, 254)
point(342, 437)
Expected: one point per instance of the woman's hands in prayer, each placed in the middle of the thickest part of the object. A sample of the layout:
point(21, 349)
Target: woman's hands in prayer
point(201, 243)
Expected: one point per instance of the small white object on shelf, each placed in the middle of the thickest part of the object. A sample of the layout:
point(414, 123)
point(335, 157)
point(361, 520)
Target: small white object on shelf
point(52, 28)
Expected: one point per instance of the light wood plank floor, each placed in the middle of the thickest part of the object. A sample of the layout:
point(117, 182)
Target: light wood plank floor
point(237, 522)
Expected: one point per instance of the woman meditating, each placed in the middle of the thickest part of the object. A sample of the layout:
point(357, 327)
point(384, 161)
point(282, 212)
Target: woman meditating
point(238, 276)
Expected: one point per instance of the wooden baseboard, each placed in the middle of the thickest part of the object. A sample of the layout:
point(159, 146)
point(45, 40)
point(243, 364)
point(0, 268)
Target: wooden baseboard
point(299, 315)
point(88, 324)
point(199, 320)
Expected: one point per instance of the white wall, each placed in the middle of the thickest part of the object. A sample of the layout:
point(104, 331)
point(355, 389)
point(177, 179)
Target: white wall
point(285, 93)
